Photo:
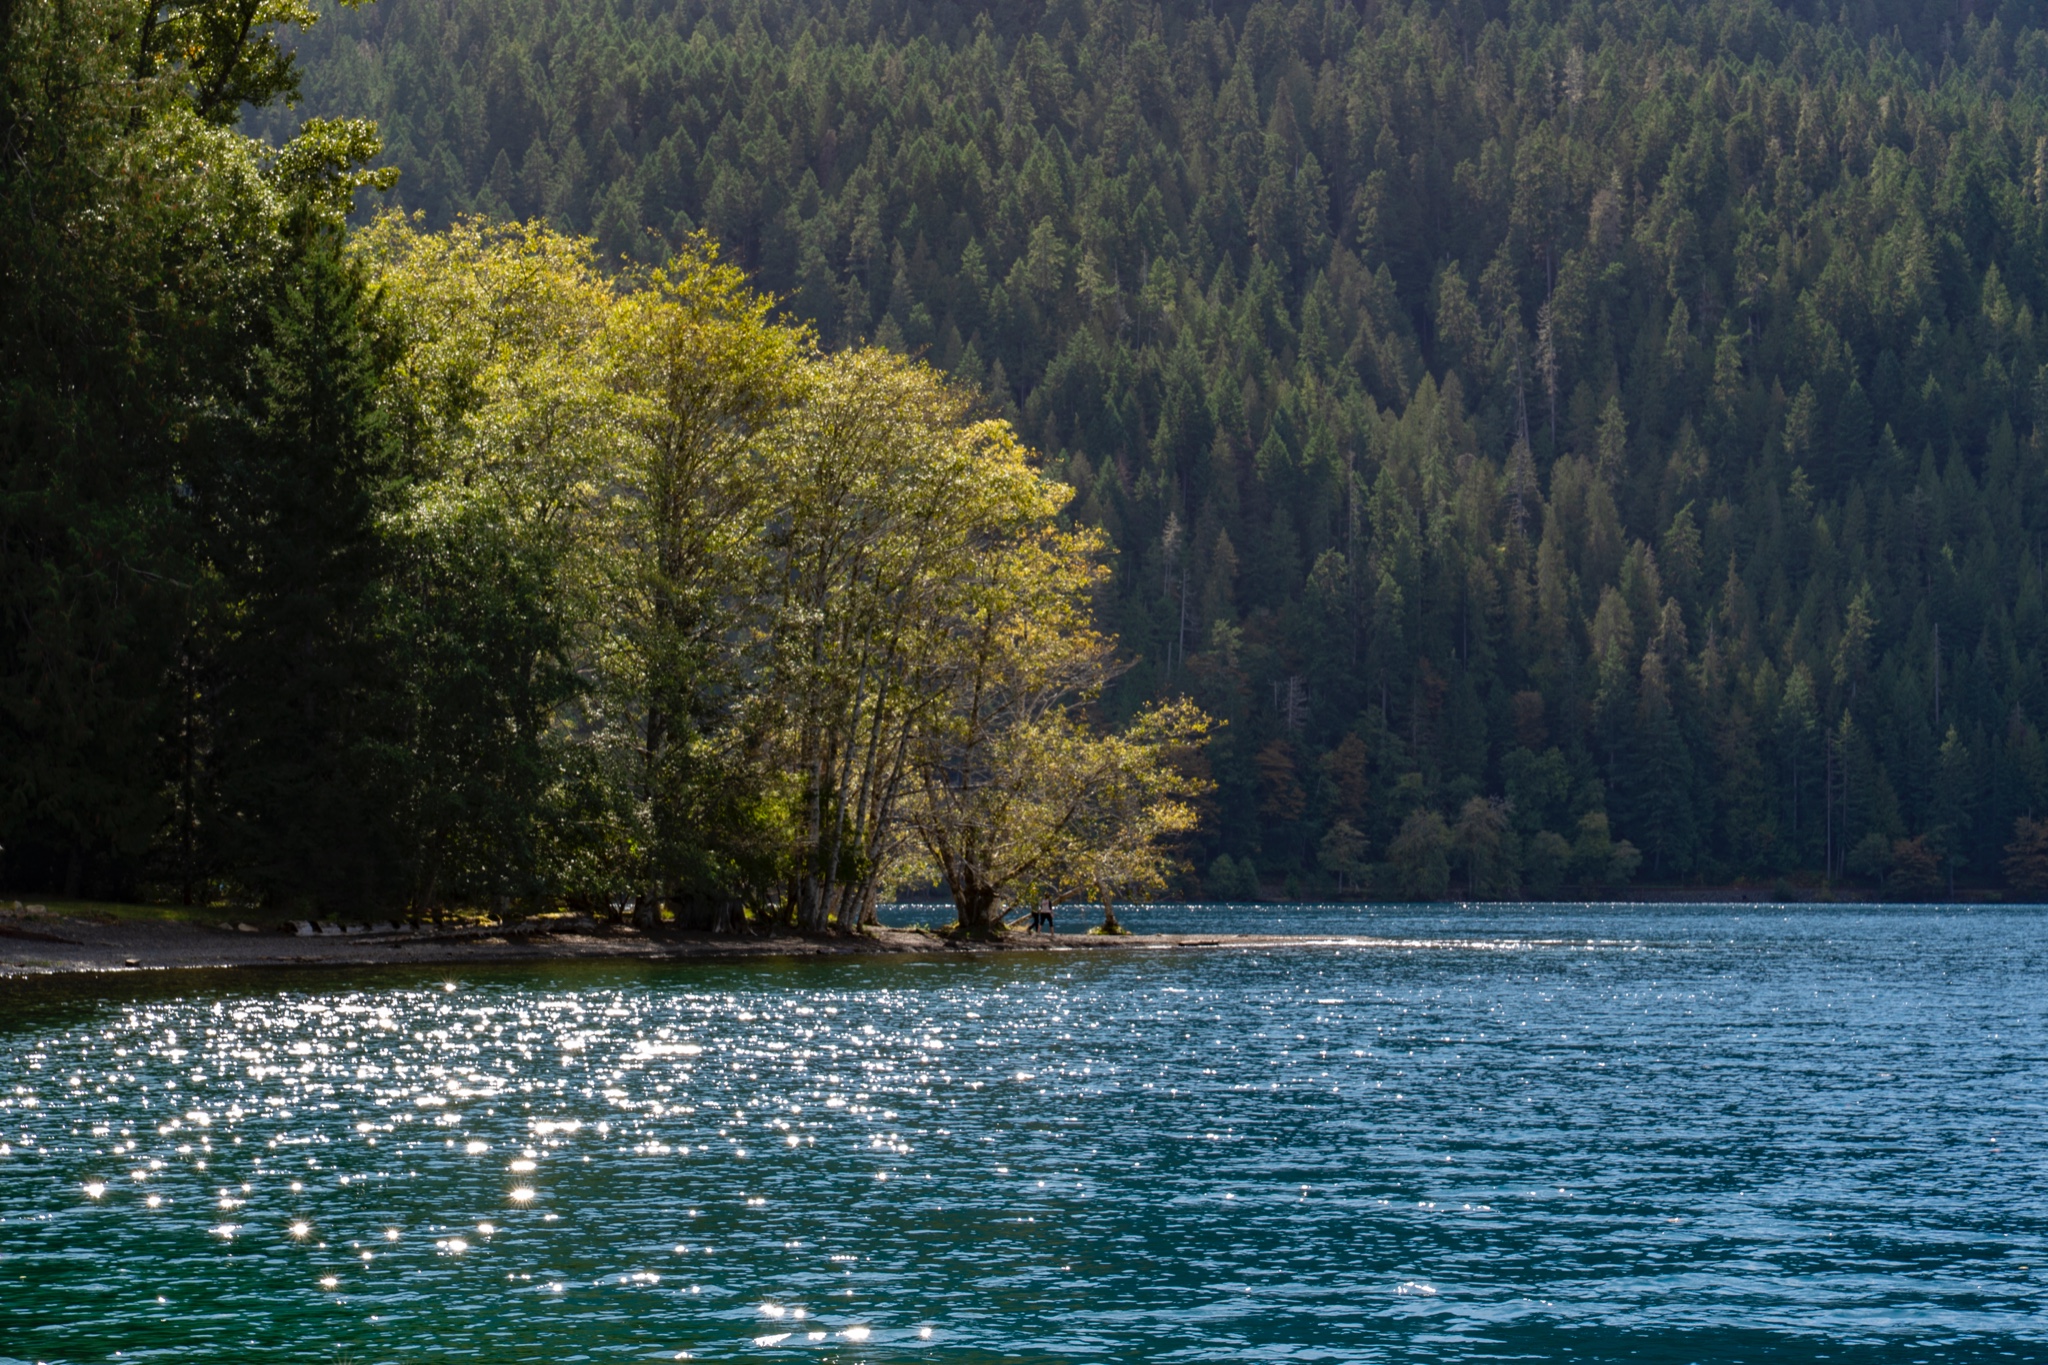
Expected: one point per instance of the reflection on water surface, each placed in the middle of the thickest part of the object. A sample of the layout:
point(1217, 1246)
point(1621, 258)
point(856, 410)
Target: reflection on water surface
point(1519, 1132)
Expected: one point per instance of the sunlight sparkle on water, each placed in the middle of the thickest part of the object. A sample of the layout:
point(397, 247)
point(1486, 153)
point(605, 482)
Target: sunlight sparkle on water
point(1060, 1137)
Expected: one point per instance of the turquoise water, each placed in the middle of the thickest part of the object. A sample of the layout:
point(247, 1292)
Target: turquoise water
point(1500, 1133)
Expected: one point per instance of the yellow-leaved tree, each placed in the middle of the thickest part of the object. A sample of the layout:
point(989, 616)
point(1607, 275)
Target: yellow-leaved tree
point(1019, 794)
point(731, 627)
point(893, 497)
point(1136, 798)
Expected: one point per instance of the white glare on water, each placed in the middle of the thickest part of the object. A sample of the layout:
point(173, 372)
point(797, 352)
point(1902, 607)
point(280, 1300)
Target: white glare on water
point(1271, 1136)
point(562, 1076)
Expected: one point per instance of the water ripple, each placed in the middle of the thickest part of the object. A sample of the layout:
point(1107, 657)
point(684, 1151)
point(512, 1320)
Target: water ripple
point(1488, 1133)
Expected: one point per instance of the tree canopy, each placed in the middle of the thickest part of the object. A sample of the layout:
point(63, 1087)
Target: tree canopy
point(396, 568)
point(1564, 444)
point(1628, 412)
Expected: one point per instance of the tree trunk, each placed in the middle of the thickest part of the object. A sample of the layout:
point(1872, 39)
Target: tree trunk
point(700, 916)
point(980, 910)
point(814, 906)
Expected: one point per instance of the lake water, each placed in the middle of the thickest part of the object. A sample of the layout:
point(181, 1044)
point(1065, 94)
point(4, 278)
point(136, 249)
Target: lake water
point(1661, 1134)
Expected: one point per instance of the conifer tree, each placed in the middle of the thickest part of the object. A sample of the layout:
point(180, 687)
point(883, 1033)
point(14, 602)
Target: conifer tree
point(298, 674)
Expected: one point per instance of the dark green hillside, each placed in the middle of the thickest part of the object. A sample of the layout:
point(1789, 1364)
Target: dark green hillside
point(1613, 407)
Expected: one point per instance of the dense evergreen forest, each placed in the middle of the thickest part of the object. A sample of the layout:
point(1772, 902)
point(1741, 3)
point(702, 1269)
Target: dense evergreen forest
point(345, 571)
point(1566, 445)
point(1530, 426)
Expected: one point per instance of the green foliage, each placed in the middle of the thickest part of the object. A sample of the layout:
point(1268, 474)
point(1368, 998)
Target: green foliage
point(1484, 844)
point(1561, 446)
point(743, 601)
point(147, 251)
point(219, 54)
point(1420, 857)
point(324, 165)
point(1674, 367)
point(499, 380)
point(292, 672)
point(1231, 879)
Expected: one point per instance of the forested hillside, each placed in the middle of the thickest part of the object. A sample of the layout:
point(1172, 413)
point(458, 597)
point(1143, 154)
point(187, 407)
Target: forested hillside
point(1615, 407)
point(350, 571)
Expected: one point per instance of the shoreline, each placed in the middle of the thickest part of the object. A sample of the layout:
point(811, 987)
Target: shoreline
point(79, 938)
point(41, 943)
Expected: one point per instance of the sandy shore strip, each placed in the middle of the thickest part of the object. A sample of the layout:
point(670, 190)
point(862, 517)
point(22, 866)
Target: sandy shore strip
point(37, 941)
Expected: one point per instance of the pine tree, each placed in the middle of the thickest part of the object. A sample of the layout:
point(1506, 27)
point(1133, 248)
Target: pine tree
point(298, 677)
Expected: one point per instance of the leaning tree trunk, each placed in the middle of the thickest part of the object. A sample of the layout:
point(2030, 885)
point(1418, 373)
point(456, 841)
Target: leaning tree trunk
point(1109, 921)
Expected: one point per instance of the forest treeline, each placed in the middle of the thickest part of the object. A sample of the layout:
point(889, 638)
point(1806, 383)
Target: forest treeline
point(1564, 441)
point(383, 568)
